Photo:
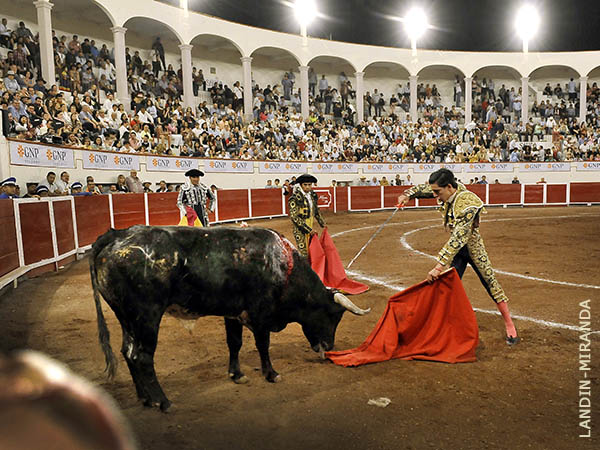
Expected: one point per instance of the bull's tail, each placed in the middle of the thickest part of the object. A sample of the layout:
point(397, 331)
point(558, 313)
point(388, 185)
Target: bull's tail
point(103, 333)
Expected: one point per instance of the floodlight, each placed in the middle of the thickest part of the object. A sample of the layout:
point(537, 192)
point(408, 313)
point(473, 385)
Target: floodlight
point(527, 24)
point(415, 23)
point(306, 11)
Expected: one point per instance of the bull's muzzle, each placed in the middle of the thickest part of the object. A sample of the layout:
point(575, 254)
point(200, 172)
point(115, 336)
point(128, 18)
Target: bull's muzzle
point(344, 301)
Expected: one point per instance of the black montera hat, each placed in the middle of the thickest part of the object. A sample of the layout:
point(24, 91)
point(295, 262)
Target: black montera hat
point(194, 173)
point(305, 178)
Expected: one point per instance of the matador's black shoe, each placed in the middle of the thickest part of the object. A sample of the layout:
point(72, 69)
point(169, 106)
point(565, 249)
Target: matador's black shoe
point(512, 340)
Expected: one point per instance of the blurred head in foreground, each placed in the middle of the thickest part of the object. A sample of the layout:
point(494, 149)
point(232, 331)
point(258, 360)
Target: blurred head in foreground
point(44, 405)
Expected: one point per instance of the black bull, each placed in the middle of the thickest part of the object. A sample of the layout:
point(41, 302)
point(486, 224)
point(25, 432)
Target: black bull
point(251, 276)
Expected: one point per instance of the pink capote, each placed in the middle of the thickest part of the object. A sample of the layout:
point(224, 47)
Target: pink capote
point(433, 322)
point(326, 262)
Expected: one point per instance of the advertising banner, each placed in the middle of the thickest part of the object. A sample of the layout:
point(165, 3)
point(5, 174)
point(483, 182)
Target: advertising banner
point(172, 164)
point(30, 154)
point(545, 167)
point(488, 167)
point(588, 165)
point(282, 167)
point(426, 168)
point(334, 167)
point(454, 167)
point(375, 168)
point(111, 161)
point(228, 165)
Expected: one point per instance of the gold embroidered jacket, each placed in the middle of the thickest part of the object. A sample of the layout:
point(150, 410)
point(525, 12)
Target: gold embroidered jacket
point(299, 210)
point(461, 216)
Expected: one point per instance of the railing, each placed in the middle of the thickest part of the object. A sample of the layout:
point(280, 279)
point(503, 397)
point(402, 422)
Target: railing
point(41, 235)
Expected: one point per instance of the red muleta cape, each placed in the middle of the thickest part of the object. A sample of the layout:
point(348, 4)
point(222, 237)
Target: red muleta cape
point(326, 262)
point(433, 322)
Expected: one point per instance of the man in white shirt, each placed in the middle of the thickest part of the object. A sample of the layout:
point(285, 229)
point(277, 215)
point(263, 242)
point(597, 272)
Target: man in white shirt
point(109, 102)
point(49, 183)
point(144, 116)
point(62, 185)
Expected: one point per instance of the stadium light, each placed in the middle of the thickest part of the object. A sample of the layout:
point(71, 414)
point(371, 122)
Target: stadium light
point(306, 11)
point(415, 25)
point(527, 24)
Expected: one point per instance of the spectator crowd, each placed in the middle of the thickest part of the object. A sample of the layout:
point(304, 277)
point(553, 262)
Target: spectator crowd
point(81, 110)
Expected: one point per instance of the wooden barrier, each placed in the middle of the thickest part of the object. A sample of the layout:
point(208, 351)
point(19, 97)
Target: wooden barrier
point(40, 234)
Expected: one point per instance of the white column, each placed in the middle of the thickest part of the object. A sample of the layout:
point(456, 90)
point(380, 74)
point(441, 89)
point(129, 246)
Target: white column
point(4, 156)
point(360, 96)
point(468, 99)
point(186, 69)
point(247, 68)
point(44, 20)
point(582, 98)
point(525, 99)
point(304, 90)
point(121, 66)
point(413, 80)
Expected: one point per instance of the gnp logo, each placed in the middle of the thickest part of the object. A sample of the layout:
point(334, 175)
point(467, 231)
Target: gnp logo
point(239, 165)
point(426, 167)
point(217, 164)
point(98, 159)
point(295, 167)
point(500, 166)
point(26, 152)
point(535, 166)
point(592, 165)
point(123, 160)
point(161, 163)
point(477, 166)
point(344, 167)
point(183, 164)
point(54, 155)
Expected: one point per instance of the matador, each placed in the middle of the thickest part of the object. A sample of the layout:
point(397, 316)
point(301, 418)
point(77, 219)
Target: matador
point(303, 211)
point(460, 210)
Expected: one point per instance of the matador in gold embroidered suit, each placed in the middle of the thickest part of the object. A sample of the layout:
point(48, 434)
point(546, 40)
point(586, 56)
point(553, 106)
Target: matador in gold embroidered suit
point(303, 211)
point(461, 210)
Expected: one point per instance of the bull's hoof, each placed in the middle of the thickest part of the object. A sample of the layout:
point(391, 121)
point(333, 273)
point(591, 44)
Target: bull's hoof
point(273, 377)
point(240, 379)
point(163, 405)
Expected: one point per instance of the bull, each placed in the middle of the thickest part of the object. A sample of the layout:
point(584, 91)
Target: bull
point(252, 277)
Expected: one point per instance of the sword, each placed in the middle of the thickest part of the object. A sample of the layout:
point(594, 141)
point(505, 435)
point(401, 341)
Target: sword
point(373, 237)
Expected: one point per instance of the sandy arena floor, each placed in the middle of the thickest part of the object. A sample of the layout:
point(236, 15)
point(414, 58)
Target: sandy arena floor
point(515, 398)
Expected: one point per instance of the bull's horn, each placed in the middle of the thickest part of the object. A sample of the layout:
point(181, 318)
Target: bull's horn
point(344, 301)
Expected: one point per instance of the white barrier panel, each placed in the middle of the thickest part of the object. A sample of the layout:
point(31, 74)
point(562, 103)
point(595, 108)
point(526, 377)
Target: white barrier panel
point(110, 161)
point(488, 167)
point(162, 164)
point(588, 165)
point(223, 165)
point(545, 167)
point(375, 168)
point(282, 167)
point(335, 167)
point(29, 154)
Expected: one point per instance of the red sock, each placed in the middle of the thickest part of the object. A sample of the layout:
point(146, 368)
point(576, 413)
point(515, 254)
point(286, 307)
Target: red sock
point(511, 331)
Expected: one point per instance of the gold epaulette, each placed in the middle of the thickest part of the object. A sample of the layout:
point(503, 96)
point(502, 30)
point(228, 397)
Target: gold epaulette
point(464, 201)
